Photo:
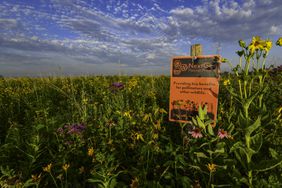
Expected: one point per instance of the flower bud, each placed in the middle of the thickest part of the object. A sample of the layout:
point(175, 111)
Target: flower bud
point(279, 42)
point(240, 53)
point(224, 60)
point(242, 44)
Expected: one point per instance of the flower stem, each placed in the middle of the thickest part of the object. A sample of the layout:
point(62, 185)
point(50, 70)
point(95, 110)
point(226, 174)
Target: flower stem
point(53, 180)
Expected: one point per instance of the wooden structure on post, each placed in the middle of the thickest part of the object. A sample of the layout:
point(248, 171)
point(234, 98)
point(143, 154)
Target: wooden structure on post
point(193, 83)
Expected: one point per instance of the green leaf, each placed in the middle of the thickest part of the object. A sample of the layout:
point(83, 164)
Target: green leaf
point(240, 152)
point(201, 113)
point(250, 100)
point(205, 111)
point(256, 142)
point(185, 181)
point(253, 127)
point(219, 150)
point(231, 127)
point(194, 121)
point(244, 180)
point(195, 167)
point(95, 181)
point(273, 153)
point(39, 126)
point(236, 146)
point(210, 130)
point(113, 183)
point(29, 183)
point(220, 145)
point(267, 165)
point(200, 123)
point(200, 155)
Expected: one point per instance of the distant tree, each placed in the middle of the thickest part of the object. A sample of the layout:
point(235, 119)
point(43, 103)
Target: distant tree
point(1, 76)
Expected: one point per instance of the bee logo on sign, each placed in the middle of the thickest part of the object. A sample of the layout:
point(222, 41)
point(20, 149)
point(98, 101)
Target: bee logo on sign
point(193, 83)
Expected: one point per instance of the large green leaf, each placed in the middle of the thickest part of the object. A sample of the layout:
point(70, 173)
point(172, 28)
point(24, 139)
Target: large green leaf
point(201, 113)
point(267, 164)
point(194, 121)
point(250, 100)
point(200, 155)
point(240, 152)
point(200, 123)
point(210, 130)
point(256, 142)
point(254, 126)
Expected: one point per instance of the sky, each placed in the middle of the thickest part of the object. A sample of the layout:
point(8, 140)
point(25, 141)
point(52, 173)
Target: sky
point(105, 37)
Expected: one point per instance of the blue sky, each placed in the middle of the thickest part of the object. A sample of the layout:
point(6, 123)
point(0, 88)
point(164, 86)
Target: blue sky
point(74, 37)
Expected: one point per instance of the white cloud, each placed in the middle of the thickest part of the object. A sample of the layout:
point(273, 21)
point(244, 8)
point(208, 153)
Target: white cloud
point(137, 36)
point(182, 11)
point(7, 24)
point(220, 20)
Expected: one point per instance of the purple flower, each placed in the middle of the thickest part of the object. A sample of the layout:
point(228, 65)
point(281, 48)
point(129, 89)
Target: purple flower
point(76, 129)
point(196, 133)
point(222, 134)
point(117, 86)
point(71, 129)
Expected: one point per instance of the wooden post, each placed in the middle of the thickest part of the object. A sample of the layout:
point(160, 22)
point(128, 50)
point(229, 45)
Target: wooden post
point(196, 50)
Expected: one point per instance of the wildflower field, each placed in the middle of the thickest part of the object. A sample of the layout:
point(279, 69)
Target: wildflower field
point(113, 131)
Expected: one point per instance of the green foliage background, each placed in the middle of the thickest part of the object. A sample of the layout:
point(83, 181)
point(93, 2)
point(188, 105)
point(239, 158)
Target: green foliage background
point(113, 131)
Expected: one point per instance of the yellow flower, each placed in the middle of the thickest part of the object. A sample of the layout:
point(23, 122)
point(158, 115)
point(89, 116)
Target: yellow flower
point(84, 101)
point(127, 114)
point(256, 44)
point(139, 136)
point(110, 141)
point(155, 136)
point(90, 152)
point(36, 178)
point(60, 176)
point(47, 168)
point(65, 167)
point(81, 170)
point(157, 125)
point(267, 45)
point(211, 167)
point(134, 183)
point(132, 84)
point(279, 42)
point(226, 82)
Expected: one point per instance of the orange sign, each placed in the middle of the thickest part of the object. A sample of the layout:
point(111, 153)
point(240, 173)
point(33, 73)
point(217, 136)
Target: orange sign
point(193, 82)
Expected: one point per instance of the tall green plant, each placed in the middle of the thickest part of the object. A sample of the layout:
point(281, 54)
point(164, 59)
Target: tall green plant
point(247, 89)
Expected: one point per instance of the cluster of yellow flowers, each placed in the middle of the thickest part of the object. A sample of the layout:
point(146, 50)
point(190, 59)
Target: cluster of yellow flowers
point(259, 44)
point(48, 168)
point(226, 82)
point(132, 83)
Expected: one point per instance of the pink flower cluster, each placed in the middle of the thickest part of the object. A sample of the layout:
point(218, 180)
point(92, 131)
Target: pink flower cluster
point(196, 133)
